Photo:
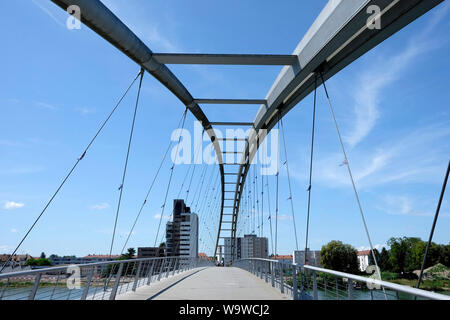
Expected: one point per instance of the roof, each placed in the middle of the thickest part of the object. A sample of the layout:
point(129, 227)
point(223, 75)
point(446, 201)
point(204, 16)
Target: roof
point(282, 257)
point(363, 253)
point(202, 255)
point(101, 256)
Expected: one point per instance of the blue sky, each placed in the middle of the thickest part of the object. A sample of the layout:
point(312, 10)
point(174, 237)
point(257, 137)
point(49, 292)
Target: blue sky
point(58, 85)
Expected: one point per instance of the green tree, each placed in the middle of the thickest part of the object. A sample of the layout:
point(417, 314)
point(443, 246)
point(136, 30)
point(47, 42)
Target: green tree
point(42, 255)
point(340, 257)
point(38, 262)
point(383, 262)
point(129, 255)
point(377, 256)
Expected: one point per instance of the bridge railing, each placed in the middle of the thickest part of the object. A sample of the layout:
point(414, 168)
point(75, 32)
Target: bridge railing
point(93, 281)
point(304, 282)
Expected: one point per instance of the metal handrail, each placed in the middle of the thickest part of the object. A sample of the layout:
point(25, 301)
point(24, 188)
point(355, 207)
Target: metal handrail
point(370, 281)
point(85, 265)
point(121, 276)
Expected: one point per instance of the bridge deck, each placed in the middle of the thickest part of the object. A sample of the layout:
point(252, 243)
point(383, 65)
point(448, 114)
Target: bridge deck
point(207, 283)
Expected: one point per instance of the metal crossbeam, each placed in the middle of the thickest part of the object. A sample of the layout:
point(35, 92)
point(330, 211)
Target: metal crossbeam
point(232, 123)
point(231, 101)
point(227, 59)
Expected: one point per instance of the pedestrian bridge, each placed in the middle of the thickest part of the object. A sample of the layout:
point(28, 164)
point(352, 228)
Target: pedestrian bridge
point(208, 283)
point(175, 278)
point(340, 35)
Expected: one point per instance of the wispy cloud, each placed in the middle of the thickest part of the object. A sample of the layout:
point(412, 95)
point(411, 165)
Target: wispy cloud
point(101, 206)
point(46, 106)
point(85, 111)
point(368, 89)
point(165, 217)
point(414, 157)
point(25, 169)
point(408, 206)
point(40, 4)
point(11, 205)
point(13, 230)
point(377, 246)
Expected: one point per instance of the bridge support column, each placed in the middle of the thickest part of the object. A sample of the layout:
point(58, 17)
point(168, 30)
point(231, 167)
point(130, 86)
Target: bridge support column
point(88, 284)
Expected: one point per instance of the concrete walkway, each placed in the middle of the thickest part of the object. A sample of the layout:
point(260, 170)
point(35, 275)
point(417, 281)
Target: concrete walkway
point(207, 283)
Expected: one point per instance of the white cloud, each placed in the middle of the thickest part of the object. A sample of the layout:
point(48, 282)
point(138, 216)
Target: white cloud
point(46, 105)
point(165, 217)
point(417, 157)
point(11, 205)
point(5, 248)
point(377, 246)
point(85, 111)
point(368, 89)
point(47, 11)
point(13, 230)
point(284, 217)
point(100, 206)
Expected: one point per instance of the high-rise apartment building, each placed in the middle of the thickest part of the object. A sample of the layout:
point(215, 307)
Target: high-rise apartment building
point(182, 232)
point(249, 246)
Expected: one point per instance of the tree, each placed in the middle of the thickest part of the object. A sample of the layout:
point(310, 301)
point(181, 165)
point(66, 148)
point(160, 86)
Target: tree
point(42, 255)
point(38, 262)
point(377, 256)
point(129, 255)
point(340, 257)
point(383, 262)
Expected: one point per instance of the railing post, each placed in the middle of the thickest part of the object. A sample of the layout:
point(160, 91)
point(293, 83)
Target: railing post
point(161, 268)
point(315, 292)
point(350, 289)
point(150, 272)
point(281, 278)
point(168, 267)
point(266, 266)
point(272, 273)
point(112, 296)
point(174, 266)
point(302, 289)
point(294, 283)
point(37, 280)
point(261, 264)
point(138, 272)
point(88, 283)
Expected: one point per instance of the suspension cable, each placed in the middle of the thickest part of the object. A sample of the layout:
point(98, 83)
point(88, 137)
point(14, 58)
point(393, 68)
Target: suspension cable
point(270, 213)
point(126, 161)
point(311, 166)
point(351, 178)
point(171, 175)
point(83, 154)
point(289, 183)
point(195, 166)
point(444, 185)
point(277, 183)
point(151, 187)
